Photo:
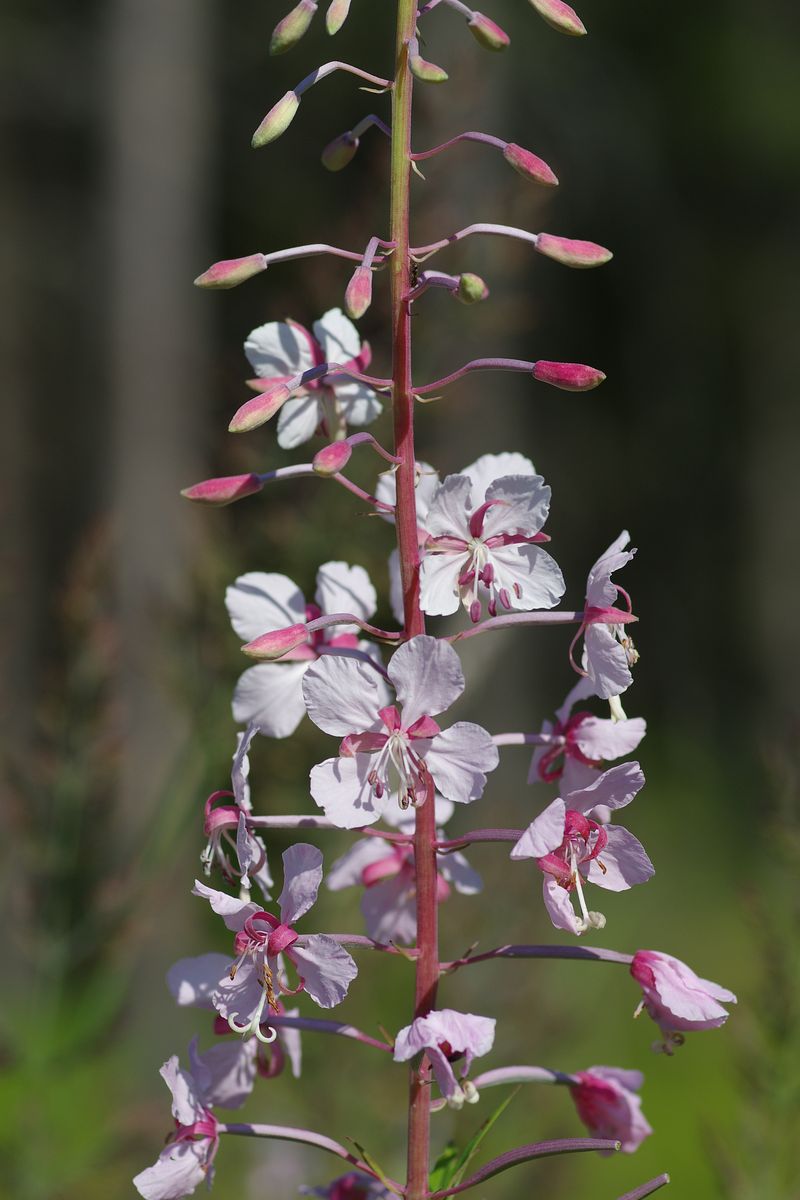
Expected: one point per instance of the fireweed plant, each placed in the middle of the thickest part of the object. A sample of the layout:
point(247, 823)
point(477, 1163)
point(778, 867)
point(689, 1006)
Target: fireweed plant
point(471, 543)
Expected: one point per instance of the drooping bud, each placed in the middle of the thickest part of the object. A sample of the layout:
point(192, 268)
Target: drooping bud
point(289, 31)
point(471, 288)
point(426, 72)
point(572, 253)
point(341, 151)
point(336, 15)
point(277, 643)
point(487, 32)
point(232, 271)
point(330, 459)
point(570, 377)
point(529, 165)
point(258, 410)
point(277, 120)
point(560, 16)
point(358, 296)
point(224, 490)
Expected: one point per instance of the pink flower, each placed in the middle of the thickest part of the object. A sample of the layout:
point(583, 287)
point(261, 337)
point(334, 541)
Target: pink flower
point(271, 694)
point(568, 839)
point(325, 969)
point(386, 748)
point(575, 747)
point(448, 1035)
point(386, 872)
point(188, 1157)
point(608, 652)
point(678, 1000)
point(281, 350)
point(225, 826)
point(609, 1107)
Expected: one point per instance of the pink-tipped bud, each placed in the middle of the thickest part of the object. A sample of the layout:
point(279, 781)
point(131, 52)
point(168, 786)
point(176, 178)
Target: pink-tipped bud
point(330, 459)
point(277, 120)
point(572, 253)
point(336, 15)
point(223, 490)
point(471, 288)
point(232, 271)
point(570, 377)
point(277, 643)
point(341, 151)
point(560, 16)
point(487, 32)
point(258, 410)
point(288, 32)
point(529, 165)
point(358, 296)
point(426, 72)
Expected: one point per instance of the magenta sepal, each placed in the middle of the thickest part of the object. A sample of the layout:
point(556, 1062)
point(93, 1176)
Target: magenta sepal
point(569, 377)
point(572, 252)
point(224, 490)
point(524, 1154)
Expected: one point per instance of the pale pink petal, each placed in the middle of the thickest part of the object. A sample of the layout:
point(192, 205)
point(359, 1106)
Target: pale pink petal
point(389, 910)
point(261, 601)
point(327, 970)
point(252, 855)
point(544, 834)
point(609, 1109)
point(615, 788)
point(532, 572)
point(348, 870)
point(298, 420)
point(489, 467)
point(582, 690)
point(278, 349)
point(632, 1081)
point(456, 870)
point(600, 591)
point(238, 998)
point(450, 508)
point(625, 861)
point(292, 1044)
point(178, 1170)
point(187, 1104)
point(192, 980)
point(233, 912)
point(302, 875)
point(438, 577)
point(342, 588)
point(523, 508)
point(270, 696)
point(241, 767)
point(231, 1067)
point(459, 760)
point(427, 484)
point(343, 695)
point(338, 337)
point(427, 676)
point(576, 776)
point(605, 661)
point(465, 1032)
point(559, 906)
point(358, 404)
point(340, 787)
point(607, 739)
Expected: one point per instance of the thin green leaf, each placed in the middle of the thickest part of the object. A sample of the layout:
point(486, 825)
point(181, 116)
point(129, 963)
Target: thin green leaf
point(372, 1164)
point(444, 1168)
point(472, 1145)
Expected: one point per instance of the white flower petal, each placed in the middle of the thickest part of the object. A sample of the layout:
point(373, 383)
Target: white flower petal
point(341, 788)
point(327, 970)
point(359, 404)
point(544, 834)
point(459, 759)
point(343, 695)
point(271, 696)
point(535, 572)
point(427, 676)
point(338, 337)
point(278, 349)
point(298, 420)
point(489, 467)
point(450, 508)
point(438, 579)
point(261, 601)
point(342, 588)
point(302, 875)
point(523, 508)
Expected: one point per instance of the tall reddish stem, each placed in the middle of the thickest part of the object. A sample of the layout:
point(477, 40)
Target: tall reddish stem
point(427, 962)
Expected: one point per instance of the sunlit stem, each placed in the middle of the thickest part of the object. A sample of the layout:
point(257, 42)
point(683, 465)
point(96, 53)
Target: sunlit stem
point(420, 253)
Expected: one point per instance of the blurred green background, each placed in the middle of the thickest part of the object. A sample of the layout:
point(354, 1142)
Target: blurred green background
point(127, 170)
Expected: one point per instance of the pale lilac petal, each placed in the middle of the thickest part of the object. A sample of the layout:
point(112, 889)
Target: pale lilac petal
point(625, 861)
point(716, 992)
point(270, 696)
point(302, 875)
point(677, 998)
point(326, 968)
point(233, 912)
point(342, 588)
point(523, 508)
point(559, 906)
point(389, 910)
point(607, 739)
point(450, 508)
point(600, 591)
point(459, 759)
point(582, 690)
point(539, 753)
point(231, 1067)
point(427, 676)
point(633, 1081)
point(238, 998)
point(465, 1032)
point(298, 420)
point(358, 404)
point(576, 776)
point(241, 767)
point(178, 1170)
point(191, 981)
point(438, 579)
point(292, 1043)
point(261, 601)
point(338, 337)
point(187, 1104)
point(396, 588)
point(348, 870)
point(278, 349)
point(532, 572)
point(605, 661)
point(252, 855)
point(609, 1109)
point(343, 695)
point(456, 870)
point(544, 834)
point(341, 788)
point(489, 467)
point(615, 788)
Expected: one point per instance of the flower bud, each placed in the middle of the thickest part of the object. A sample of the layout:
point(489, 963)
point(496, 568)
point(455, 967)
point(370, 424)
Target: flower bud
point(277, 120)
point(224, 490)
point(572, 253)
point(231, 271)
point(427, 72)
point(289, 31)
point(330, 459)
point(277, 643)
point(529, 165)
point(487, 33)
point(341, 151)
point(570, 377)
point(358, 296)
point(336, 15)
point(560, 16)
point(258, 410)
point(471, 288)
